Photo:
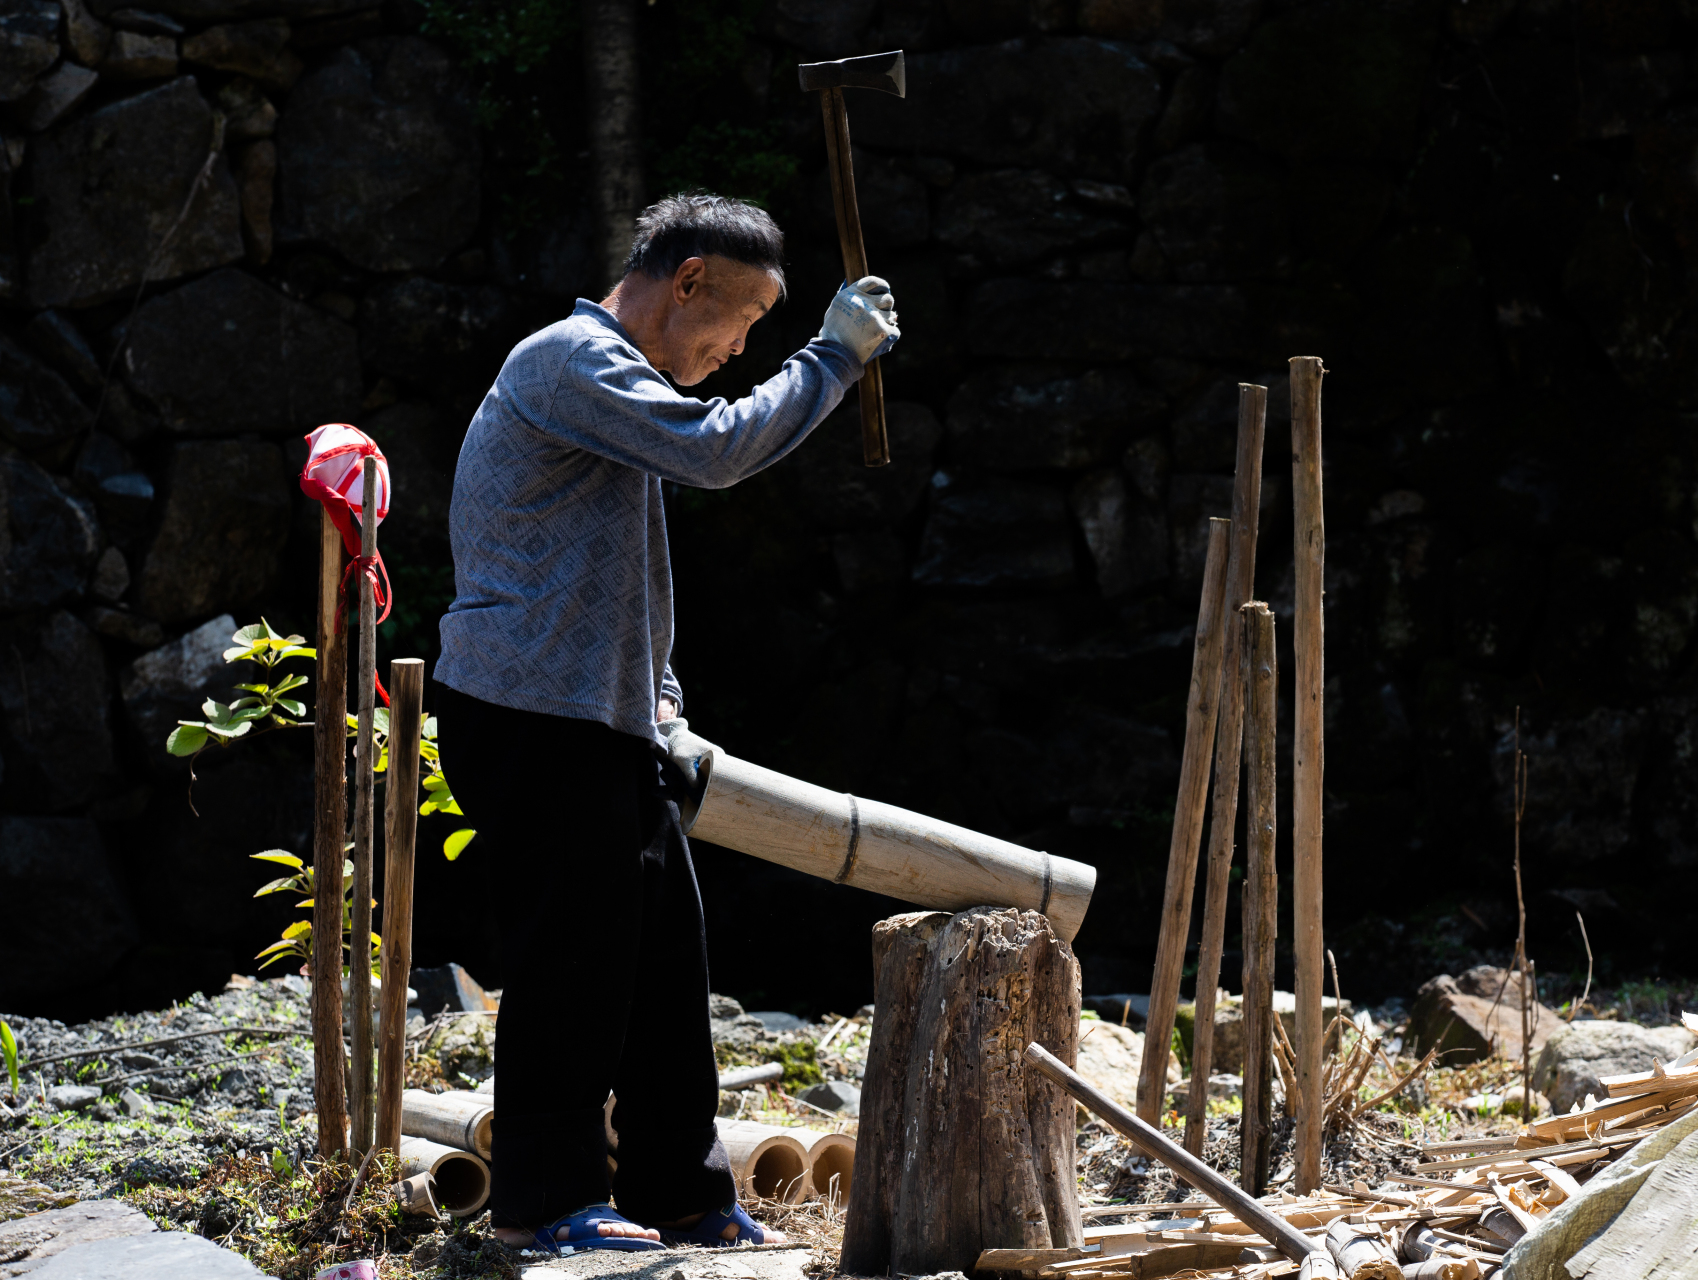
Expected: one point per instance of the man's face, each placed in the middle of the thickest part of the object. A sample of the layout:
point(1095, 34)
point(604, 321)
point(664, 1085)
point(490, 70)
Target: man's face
point(715, 301)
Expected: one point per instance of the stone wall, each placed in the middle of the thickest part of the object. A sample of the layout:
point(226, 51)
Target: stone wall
point(230, 220)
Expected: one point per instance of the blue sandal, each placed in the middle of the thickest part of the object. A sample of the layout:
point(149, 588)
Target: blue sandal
point(708, 1232)
point(584, 1232)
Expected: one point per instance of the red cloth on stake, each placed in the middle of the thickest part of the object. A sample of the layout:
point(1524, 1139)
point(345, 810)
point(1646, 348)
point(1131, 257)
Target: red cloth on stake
point(335, 477)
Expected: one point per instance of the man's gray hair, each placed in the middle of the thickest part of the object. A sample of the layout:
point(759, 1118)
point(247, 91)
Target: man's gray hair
point(696, 225)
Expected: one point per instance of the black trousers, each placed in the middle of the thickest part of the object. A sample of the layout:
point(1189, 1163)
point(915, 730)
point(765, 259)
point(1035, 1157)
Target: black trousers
point(604, 967)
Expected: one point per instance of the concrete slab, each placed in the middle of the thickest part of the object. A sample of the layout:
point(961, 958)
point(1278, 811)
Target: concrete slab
point(28, 1243)
point(164, 1255)
point(770, 1262)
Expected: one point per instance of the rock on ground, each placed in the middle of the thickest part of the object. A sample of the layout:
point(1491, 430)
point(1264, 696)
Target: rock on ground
point(1466, 1019)
point(1111, 1056)
point(143, 154)
point(169, 684)
point(48, 542)
point(1579, 1053)
point(29, 44)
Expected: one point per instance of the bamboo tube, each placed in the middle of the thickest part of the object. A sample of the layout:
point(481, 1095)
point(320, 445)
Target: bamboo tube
point(461, 1179)
point(768, 1162)
point(359, 941)
point(1360, 1253)
point(455, 1119)
point(330, 833)
point(1201, 705)
point(869, 845)
point(1308, 755)
point(1229, 742)
point(743, 1077)
point(401, 819)
point(417, 1194)
point(1318, 1266)
point(1261, 895)
point(830, 1155)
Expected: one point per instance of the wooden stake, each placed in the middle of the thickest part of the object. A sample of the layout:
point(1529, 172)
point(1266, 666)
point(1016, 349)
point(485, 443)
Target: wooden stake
point(330, 833)
point(1187, 826)
point(1229, 741)
point(1306, 789)
point(1261, 896)
point(359, 944)
point(401, 804)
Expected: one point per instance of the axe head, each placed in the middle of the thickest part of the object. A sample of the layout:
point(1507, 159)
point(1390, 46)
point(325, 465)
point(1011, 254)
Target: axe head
point(883, 71)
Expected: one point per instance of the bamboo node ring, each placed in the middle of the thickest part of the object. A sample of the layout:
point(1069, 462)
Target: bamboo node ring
point(854, 843)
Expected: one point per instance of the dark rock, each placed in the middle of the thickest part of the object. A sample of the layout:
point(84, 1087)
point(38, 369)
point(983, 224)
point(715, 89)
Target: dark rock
point(776, 1020)
point(59, 342)
point(1102, 320)
point(1337, 81)
point(1624, 94)
point(436, 335)
point(146, 21)
point(551, 258)
point(1190, 109)
point(1016, 215)
point(1588, 769)
point(169, 684)
point(256, 175)
point(1426, 290)
point(1072, 106)
point(422, 451)
point(38, 410)
point(248, 113)
point(1497, 593)
point(868, 559)
point(202, 12)
point(378, 156)
point(87, 35)
point(29, 44)
point(50, 540)
point(44, 954)
point(72, 1097)
point(131, 55)
point(111, 576)
point(126, 627)
point(995, 533)
point(1476, 1016)
point(141, 154)
point(53, 96)
point(53, 696)
point(1124, 517)
point(828, 484)
point(893, 198)
point(1216, 211)
point(225, 518)
point(1192, 501)
point(827, 28)
point(1100, 505)
point(227, 354)
point(1576, 1057)
point(101, 458)
point(1030, 416)
point(448, 987)
point(1209, 27)
point(258, 50)
point(11, 271)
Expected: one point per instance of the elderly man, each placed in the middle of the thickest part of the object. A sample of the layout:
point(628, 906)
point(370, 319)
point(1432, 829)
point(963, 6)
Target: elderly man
point(553, 674)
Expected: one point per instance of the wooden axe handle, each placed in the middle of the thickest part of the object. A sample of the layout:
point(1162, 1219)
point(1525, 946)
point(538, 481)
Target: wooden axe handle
point(875, 438)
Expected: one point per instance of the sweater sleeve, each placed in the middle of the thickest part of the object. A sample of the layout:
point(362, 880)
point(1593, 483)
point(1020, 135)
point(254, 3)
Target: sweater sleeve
point(612, 402)
point(670, 688)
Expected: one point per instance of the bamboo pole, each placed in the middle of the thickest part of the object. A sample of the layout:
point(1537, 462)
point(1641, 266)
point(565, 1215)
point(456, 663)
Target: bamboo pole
point(359, 957)
point(1261, 896)
point(401, 821)
point(460, 1178)
point(1229, 742)
point(330, 832)
point(1187, 826)
point(1308, 757)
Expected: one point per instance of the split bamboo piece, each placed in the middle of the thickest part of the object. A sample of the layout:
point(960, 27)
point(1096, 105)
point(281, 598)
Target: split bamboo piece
point(830, 1155)
point(359, 957)
point(417, 1194)
point(455, 1119)
point(1318, 1266)
point(330, 832)
point(1229, 742)
point(1261, 895)
point(869, 845)
point(1360, 1253)
point(461, 1178)
point(1200, 708)
point(401, 820)
point(1306, 786)
point(768, 1162)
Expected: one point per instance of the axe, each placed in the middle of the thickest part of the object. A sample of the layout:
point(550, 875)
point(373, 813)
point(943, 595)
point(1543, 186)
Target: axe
point(875, 71)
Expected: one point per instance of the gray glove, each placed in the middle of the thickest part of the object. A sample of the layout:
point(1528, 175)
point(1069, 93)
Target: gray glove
point(863, 318)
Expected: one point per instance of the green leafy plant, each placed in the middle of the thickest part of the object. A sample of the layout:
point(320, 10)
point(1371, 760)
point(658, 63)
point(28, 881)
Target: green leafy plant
point(9, 1047)
point(226, 722)
point(297, 937)
point(438, 798)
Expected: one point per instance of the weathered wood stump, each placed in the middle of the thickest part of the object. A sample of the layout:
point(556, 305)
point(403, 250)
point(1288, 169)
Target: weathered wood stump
point(962, 1147)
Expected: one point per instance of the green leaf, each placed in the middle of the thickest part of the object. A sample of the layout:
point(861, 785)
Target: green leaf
point(215, 711)
point(434, 782)
point(280, 856)
point(9, 1046)
point(230, 731)
point(253, 688)
point(186, 739)
point(456, 843)
point(380, 720)
point(293, 707)
point(288, 682)
point(251, 634)
point(430, 728)
point(244, 704)
point(300, 928)
point(299, 651)
point(277, 886)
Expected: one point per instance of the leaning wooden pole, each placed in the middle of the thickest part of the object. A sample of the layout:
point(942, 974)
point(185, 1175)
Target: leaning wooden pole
point(1229, 741)
point(401, 822)
point(1308, 758)
point(359, 944)
point(330, 832)
point(1261, 896)
point(1200, 710)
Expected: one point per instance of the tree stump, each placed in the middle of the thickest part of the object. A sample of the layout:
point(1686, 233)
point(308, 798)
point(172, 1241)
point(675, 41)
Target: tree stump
point(961, 1146)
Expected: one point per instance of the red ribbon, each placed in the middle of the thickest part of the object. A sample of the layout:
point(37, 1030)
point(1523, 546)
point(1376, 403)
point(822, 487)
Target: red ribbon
point(370, 566)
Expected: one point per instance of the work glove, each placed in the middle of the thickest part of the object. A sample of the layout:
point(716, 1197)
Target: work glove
point(863, 318)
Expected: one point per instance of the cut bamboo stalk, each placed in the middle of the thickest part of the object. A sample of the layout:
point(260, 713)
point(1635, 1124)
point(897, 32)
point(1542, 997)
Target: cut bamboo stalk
point(830, 1155)
point(1200, 710)
point(1360, 1253)
point(1261, 896)
point(1229, 741)
point(743, 1077)
point(867, 844)
point(401, 820)
point(1146, 1137)
point(359, 943)
point(768, 1162)
point(1318, 1266)
point(455, 1119)
point(1308, 757)
point(417, 1194)
point(462, 1180)
point(330, 834)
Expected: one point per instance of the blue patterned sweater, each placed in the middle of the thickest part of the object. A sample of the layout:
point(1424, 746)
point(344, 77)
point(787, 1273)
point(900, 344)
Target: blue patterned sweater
point(563, 583)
